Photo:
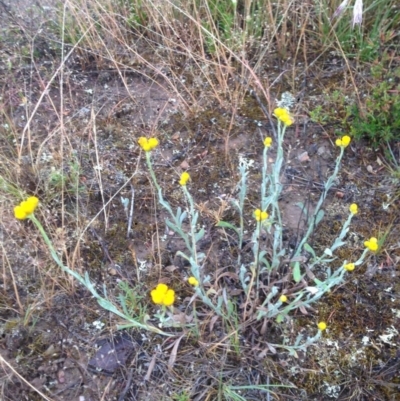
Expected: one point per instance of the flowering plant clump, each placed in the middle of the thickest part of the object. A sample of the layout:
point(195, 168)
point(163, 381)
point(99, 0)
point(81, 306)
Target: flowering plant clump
point(343, 142)
point(258, 276)
point(148, 144)
point(26, 208)
point(262, 278)
point(162, 295)
point(372, 244)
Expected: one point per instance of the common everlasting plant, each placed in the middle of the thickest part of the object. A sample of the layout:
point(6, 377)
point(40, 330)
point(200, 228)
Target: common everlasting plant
point(272, 284)
point(258, 281)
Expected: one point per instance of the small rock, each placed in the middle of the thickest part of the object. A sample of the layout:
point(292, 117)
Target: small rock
point(303, 157)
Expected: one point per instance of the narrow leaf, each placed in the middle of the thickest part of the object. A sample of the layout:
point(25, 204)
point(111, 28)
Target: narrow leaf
point(227, 225)
point(199, 235)
point(308, 248)
point(296, 272)
point(182, 217)
point(174, 353)
point(319, 217)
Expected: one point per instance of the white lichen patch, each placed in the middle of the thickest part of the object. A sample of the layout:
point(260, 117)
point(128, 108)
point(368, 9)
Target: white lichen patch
point(331, 390)
point(396, 312)
point(98, 325)
point(365, 340)
point(332, 343)
point(387, 337)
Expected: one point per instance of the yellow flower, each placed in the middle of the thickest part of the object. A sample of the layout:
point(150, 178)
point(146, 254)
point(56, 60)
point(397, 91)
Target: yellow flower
point(372, 244)
point(185, 177)
point(158, 294)
point(343, 141)
point(349, 267)
point(283, 298)
point(162, 295)
point(322, 326)
point(259, 215)
point(148, 144)
point(284, 116)
point(169, 297)
point(268, 142)
point(193, 281)
point(353, 208)
point(25, 208)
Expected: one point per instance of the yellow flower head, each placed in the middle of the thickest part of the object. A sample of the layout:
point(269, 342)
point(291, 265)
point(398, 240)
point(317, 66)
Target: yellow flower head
point(283, 298)
point(193, 281)
point(162, 295)
point(343, 141)
point(353, 208)
point(349, 267)
point(148, 144)
point(260, 215)
point(185, 177)
point(26, 208)
point(284, 116)
point(158, 294)
point(268, 142)
point(322, 326)
point(169, 297)
point(372, 244)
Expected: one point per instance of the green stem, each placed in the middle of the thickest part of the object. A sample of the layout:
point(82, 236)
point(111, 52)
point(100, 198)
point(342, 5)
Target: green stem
point(321, 200)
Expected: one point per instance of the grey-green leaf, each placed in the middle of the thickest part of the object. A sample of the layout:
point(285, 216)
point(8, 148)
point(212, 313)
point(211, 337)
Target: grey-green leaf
point(296, 272)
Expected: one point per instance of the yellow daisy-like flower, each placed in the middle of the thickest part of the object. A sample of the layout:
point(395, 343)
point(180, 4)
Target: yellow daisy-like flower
point(193, 281)
point(283, 298)
point(322, 326)
point(148, 144)
point(185, 177)
point(162, 295)
point(260, 215)
point(349, 267)
point(284, 116)
point(353, 208)
point(372, 244)
point(26, 208)
point(343, 142)
point(268, 142)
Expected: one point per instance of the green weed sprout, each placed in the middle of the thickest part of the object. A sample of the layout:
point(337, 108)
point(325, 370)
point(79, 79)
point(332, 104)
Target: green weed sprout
point(25, 210)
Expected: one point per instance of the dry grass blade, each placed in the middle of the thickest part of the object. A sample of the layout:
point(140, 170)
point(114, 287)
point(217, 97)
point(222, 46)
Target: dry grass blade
point(174, 352)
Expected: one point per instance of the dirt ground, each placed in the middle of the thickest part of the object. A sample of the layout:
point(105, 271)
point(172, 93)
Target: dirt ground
point(65, 347)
